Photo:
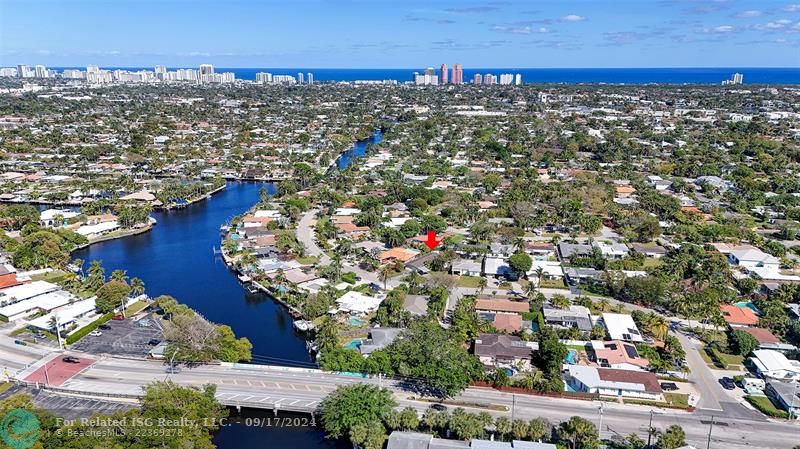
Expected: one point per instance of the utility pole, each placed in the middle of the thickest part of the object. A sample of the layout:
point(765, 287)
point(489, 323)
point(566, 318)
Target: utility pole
point(710, 428)
point(513, 405)
point(600, 427)
point(58, 333)
point(650, 429)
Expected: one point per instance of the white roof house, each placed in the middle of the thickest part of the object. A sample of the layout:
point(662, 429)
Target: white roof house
point(496, 266)
point(29, 298)
point(98, 229)
point(358, 303)
point(267, 214)
point(48, 217)
point(612, 250)
point(775, 365)
point(613, 382)
point(346, 211)
point(750, 257)
point(67, 315)
point(550, 268)
point(621, 327)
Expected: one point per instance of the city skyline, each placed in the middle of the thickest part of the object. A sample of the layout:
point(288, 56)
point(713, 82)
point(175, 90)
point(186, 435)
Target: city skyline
point(715, 33)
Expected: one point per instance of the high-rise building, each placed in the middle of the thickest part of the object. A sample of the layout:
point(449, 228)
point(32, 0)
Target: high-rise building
point(40, 71)
point(430, 71)
point(443, 74)
point(22, 70)
point(458, 75)
point(518, 79)
point(206, 69)
point(489, 79)
point(91, 68)
point(477, 79)
point(310, 78)
point(738, 78)
point(506, 79)
point(301, 78)
point(263, 78)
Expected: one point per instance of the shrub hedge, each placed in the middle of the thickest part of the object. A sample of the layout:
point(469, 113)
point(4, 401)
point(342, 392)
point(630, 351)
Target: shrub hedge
point(82, 332)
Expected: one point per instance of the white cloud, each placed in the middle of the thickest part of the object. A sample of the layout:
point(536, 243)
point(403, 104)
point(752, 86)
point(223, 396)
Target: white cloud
point(573, 18)
point(724, 29)
point(750, 13)
point(792, 8)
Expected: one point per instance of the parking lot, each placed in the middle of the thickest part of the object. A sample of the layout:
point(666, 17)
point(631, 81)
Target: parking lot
point(125, 337)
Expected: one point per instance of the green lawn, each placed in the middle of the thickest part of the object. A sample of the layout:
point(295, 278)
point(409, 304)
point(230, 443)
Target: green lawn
point(54, 276)
point(136, 307)
point(651, 263)
point(677, 399)
point(469, 281)
point(307, 260)
point(765, 406)
point(552, 283)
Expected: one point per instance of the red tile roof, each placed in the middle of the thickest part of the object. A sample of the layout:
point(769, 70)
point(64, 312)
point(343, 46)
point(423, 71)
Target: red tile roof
point(738, 315)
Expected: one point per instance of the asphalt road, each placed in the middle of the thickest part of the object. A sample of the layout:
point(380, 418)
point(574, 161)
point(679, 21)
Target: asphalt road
point(305, 235)
point(298, 390)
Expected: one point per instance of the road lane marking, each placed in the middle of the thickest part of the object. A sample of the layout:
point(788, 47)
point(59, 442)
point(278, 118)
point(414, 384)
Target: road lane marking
point(249, 384)
point(263, 384)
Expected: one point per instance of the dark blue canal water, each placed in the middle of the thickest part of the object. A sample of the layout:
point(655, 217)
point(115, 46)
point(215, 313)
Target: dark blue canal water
point(176, 258)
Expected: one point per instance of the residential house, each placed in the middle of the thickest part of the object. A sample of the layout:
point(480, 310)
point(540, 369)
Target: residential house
point(768, 340)
point(786, 395)
point(568, 250)
point(575, 316)
point(737, 316)
point(379, 338)
point(357, 303)
point(652, 251)
point(397, 254)
point(611, 250)
point(618, 355)
point(621, 327)
point(497, 266)
point(501, 306)
point(774, 365)
point(613, 382)
point(466, 267)
point(504, 351)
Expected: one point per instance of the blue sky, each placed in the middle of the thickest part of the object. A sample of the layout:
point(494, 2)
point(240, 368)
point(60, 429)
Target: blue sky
point(408, 33)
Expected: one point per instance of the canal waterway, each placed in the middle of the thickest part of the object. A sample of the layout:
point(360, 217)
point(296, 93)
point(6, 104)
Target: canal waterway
point(176, 258)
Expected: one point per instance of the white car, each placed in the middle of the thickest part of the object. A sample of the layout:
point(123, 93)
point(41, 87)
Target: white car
point(95, 333)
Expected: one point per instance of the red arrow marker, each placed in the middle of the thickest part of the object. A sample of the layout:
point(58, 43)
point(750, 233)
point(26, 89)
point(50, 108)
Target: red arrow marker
point(432, 242)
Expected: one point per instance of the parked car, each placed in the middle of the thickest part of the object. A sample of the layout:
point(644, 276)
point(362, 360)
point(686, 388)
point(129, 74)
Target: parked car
point(173, 369)
point(105, 327)
point(439, 407)
point(95, 333)
point(669, 386)
point(154, 342)
point(118, 317)
point(70, 359)
point(144, 322)
point(727, 383)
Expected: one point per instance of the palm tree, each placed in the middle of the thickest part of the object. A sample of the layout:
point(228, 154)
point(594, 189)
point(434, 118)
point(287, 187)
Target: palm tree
point(119, 275)
point(137, 286)
point(603, 304)
point(79, 264)
point(482, 282)
point(658, 326)
point(384, 274)
point(578, 432)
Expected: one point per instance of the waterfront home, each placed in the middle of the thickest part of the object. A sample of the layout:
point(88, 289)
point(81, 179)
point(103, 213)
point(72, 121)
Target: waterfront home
point(786, 395)
point(56, 218)
point(737, 316)
point(574, 316)
point(621, 327)
point(774, 365)
point(613, 382)
point(357, 303)
point(618, 355)
point(504, 351)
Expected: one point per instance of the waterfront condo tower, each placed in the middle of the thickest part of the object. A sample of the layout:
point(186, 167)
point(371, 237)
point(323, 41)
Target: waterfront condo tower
point(443, 74)
point(458, 75)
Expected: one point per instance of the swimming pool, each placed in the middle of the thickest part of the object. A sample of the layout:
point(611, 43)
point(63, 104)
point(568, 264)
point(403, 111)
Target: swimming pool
point(572, 357)
point(749, 305)
point(355, 322)
point(354, 344)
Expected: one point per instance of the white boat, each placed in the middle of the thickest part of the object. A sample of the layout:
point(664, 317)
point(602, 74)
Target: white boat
point(244, 278)
point(301, 325)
